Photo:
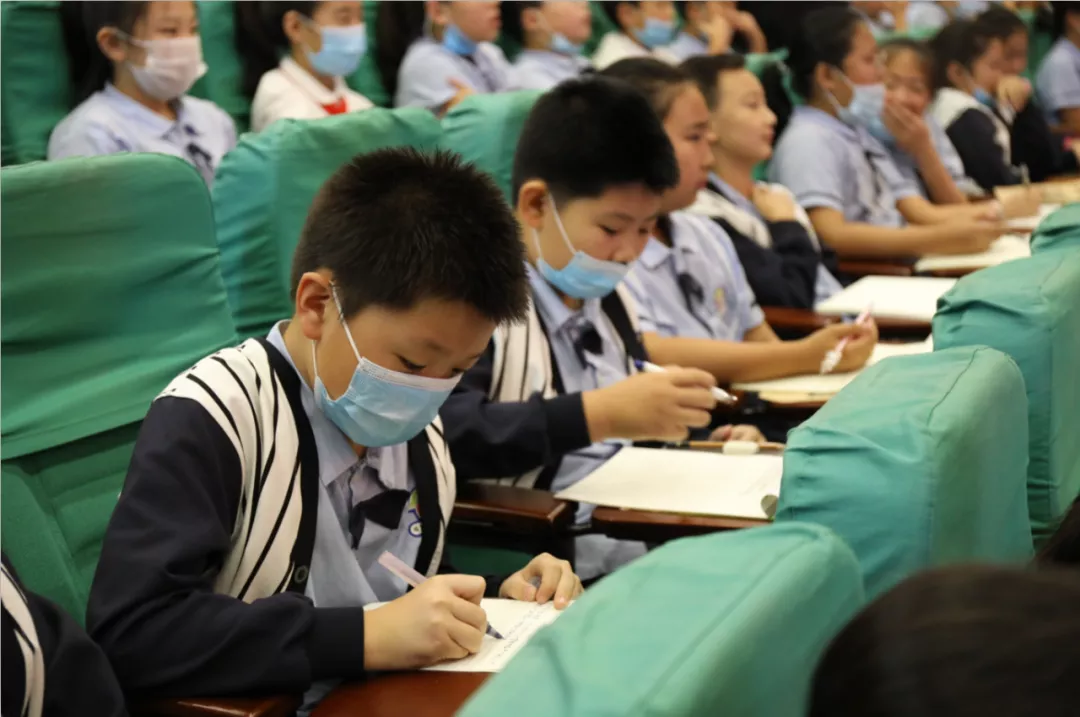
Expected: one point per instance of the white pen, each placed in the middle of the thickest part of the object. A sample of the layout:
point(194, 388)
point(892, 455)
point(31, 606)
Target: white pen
point(718, 393)
point(833, 356)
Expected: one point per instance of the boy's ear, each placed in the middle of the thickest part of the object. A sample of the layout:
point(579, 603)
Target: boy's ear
point(436, 12)
point(292, 24)
point(532, 203)
point(530, 20)
point(314, 303)
point(956, 74)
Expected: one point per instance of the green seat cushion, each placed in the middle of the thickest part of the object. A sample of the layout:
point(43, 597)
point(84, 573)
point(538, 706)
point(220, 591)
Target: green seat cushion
point(56, 507)
point(484, 130)
point(601, 25)
point(222, 82)
point(35, 87)
point(110, 286)
point(726, 624)
point(366, 79)
point(1060, 230)
point(920, 461)
point(263, 189)
point(1030, 310)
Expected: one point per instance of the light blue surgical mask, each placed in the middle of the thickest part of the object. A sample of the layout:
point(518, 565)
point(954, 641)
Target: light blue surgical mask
point(560, 43)
point(455, 41)
point(584, 277)
point(655, 33)
point(381, 407)
point(865, 109)
point(985, 98)
point(342, 50)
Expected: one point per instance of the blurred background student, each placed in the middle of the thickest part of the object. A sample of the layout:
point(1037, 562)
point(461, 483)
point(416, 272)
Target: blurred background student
point(318, 43)
point(132, 64)
point(435, 54)
point(1059, 77)
point(552, 36)
point(713, 27)
point(642, 29)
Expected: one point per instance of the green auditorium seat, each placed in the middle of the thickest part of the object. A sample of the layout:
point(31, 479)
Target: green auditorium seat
point(484, 129)
point(1060, 230)
point(726, 624)
point(919, 462)
point(1030, 310)
point(110, 287)
point(263, 189)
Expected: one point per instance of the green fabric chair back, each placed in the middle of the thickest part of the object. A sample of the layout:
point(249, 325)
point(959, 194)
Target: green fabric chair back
point(1030, 310)
point(726, 624)
point(264, 187)
point(110, 287)
point(601, 25)
point(222, 82)
point(35, 87)
point(1039, 42)
point(899, 466)
point(366, 79)
point(1060, 230)
point(484, 130)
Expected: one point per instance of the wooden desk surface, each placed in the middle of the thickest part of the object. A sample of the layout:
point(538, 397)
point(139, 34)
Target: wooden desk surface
point(653, 527)
point(403, 694)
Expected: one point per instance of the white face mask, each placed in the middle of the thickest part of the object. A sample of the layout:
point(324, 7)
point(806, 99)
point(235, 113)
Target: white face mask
point(172, 66)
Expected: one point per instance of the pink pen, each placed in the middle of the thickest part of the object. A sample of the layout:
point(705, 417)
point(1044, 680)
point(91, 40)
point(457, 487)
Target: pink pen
point(832, 358)
point(413, 579)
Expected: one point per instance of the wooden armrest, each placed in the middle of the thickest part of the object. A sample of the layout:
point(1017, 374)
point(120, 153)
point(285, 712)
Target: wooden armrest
point(520, 511)
point(801, 320)
point(216, 707)
point(654, 527)
point(859, 268)
point(414, 694)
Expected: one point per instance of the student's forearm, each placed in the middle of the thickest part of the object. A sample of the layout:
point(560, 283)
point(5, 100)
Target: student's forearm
point(939, 183)
point(762, 333)
point(729, 361)
point(854, 238)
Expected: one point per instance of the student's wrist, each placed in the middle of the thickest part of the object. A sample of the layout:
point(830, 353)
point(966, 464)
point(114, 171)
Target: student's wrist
point(595, 405)
point(809, 356)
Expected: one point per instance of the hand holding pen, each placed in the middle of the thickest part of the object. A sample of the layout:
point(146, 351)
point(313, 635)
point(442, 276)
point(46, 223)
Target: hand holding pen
point(836, 354)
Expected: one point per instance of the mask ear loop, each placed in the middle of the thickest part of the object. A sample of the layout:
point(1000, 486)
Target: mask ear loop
point(348, 334)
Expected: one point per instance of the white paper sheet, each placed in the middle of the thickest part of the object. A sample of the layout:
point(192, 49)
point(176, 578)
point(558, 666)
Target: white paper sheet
point(680, 481)
point(891, 297)
point(1029, 224)
point(516, 621)
point(830, 384)
point(1005, 248)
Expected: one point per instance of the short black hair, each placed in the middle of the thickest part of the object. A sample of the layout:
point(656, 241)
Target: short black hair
point(660, 82)
point(705, 71)
point(1000, 22)
point(397, 226)
point(962, 42)
point(611, 9)
point(590, 134)
point(511, 12)
point(1061, 12)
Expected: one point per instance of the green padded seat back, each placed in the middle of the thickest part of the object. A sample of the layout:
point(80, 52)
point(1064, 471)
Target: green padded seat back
point(1060, 230)
point(264, 187)
point(920, 461)
point(726, 624)
point(1030, 310)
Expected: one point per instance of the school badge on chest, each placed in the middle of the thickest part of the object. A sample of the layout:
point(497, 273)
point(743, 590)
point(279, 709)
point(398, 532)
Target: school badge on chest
point(413, 509)
point(720, 300)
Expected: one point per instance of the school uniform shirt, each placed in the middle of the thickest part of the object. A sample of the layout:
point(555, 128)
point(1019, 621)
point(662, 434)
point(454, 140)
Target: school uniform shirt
point(291, 92)
point(826, 163)
point(229, 566)
point(684, 46)
point(980, 136)
point(696, 287)
point(1058, 80)
point(617, 46)
point(784, 262)
point(425, 73)
point(949, 158)
point(517, 416)
point(109, 122)
point(543, 69)
point(51, 667)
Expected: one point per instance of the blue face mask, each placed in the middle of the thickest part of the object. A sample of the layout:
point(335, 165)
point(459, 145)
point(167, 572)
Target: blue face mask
point(381, 407)
point(455, 41)
point(867, 104)
point(584, 277)
point(655, 33)
point(985, 98)
point(562, 45)
point(342, 50)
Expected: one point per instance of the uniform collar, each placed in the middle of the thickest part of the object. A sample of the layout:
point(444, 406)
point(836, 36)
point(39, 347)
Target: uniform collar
point(134, 110)
point(733, 195)
point(556, 315)
point(309, 85)
point(820, 117)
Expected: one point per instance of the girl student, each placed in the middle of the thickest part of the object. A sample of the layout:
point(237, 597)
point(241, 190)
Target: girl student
point(642, 30)
point(132, 64)
point(694, 303)
point(856, 198)
point(435, 54)
point(318, 43)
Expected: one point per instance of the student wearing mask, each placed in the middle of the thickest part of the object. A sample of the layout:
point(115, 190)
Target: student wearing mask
point(713, 27)
point(642, 29)
point(319, 43)
point(784, 262)
point(857, 200)
point(268, 479)
point(883, 18)
point(1059, 77)
point(132, 64)
point(552, 36)
point(443, 55)
point(552, 399)
point(695, 305)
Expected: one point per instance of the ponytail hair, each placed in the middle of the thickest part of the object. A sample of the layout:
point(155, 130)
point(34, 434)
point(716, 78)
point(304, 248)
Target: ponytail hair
point(260, 37)
point(80, 22)
point(398, 26)
point(824, 37)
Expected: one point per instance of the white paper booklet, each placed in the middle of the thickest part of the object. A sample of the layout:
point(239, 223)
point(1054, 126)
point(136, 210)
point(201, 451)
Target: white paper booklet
point(682, 481)
point(1029, 224)
point(516, 621)
point(830, 384)
point(1005, 248)
point(890, 297)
